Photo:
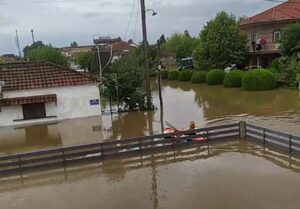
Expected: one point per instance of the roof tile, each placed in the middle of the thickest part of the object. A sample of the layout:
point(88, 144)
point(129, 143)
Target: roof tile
point(35, 75)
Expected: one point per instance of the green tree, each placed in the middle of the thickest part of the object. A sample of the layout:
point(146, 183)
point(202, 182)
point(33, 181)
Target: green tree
point(182, 45)
point(221, 43)
point(85, 60)
point(128, 77)
point(162, 39)
point(290, 43)
point(32, 46)
point(74, 44)
point(47, 53)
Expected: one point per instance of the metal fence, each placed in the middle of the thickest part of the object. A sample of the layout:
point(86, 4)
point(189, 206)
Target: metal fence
point(69, 156)
point(268, 136)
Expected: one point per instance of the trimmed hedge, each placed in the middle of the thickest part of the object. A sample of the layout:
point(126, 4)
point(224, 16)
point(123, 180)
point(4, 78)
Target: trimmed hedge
point(233, 79)
point(215, 77)
point(164, 74)
point(259, 80)
point(173, 75)
point(199, 77)
point(185, 75)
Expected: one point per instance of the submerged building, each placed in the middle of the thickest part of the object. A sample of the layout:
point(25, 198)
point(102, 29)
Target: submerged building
point(40, 92)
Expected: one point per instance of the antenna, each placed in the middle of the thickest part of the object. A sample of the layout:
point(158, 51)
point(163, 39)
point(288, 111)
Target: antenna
point(32, 34)
point(18, 45)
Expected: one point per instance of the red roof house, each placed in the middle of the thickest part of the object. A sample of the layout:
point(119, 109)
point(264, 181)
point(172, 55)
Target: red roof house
point(39, 91)
point(264, 31)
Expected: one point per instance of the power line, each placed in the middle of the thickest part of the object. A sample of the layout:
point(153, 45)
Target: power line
point(41, 2)
point(281, 1)
point(129, 22)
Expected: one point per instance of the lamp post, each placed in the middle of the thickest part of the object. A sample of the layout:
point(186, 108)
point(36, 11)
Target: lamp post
point(145, 52)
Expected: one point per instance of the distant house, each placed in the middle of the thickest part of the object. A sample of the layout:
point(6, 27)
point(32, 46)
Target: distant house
point(264, 31)
point(39, 92)
point(108, 53)
point(9, 58)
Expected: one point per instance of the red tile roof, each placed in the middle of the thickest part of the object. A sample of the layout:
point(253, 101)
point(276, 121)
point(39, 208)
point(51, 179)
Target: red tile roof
point(288, 11)
point(35, 75)
point(28, 100)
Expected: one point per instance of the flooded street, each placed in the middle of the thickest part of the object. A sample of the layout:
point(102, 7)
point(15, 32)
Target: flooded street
point(229, 174)
point(232, 174)
point(183, 102)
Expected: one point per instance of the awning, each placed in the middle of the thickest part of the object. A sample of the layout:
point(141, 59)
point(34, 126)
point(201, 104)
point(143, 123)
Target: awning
point(28, 100)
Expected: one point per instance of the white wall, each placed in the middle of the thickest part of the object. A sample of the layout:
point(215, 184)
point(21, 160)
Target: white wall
point(72, 102)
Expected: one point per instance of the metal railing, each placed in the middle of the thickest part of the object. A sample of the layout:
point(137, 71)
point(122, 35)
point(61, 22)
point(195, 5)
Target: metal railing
point(69, 156)
point(277, 138)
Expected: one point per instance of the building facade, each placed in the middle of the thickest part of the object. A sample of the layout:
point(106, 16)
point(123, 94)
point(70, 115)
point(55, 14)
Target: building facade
point(264, 32)
point(37, 92)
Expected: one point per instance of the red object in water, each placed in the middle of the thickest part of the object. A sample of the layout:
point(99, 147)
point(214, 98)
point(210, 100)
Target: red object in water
point(172, 130)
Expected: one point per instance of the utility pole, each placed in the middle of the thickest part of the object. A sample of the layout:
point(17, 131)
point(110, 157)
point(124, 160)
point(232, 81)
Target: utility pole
point(32, 34)
point(18, 45)
point(146, 60)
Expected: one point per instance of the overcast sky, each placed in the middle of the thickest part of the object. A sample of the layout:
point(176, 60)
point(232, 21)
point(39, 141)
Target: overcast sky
point(62, 21)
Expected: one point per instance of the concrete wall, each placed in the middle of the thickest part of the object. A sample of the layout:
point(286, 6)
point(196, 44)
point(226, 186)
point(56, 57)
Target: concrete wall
point(72, 102)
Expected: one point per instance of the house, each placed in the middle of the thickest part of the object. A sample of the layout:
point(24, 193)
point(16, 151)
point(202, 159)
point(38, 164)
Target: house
point(9, 58)
point(264, 31)
point(39, 92)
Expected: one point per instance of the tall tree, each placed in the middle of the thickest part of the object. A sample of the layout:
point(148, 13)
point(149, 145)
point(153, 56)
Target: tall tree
point(290, 43)
point(32, 46)
point(49, 54)
point(221, 43)
point(182, 44)
point(162, 39)
point(85, 60)
point(74, 44)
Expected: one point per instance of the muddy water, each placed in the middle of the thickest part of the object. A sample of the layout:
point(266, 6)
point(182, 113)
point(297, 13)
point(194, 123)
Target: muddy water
point(183, 102)
point(232, 174)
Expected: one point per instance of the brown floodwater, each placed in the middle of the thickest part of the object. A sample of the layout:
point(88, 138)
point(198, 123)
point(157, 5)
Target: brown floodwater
point(183, 102)
point(231, 174)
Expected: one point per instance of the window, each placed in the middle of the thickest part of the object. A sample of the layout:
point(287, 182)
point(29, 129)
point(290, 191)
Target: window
point(34, 111)
point(253, 37)
point(277, 36)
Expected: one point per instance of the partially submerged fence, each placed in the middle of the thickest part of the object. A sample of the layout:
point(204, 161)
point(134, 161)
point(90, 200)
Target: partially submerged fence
point(93, 153)
point(277, 138)
point(57, 158)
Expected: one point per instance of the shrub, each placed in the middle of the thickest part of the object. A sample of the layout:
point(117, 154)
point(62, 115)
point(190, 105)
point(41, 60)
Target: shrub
point(233, 79)
point(258, 80)
point(164, 74)
point(173, 75)
point(185, 75)
point(199, 77)
point(215, 77)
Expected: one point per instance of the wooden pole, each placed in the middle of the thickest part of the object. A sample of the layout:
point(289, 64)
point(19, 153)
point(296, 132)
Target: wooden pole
point(145, 52)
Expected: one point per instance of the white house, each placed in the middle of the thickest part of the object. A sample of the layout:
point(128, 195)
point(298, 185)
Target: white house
point(39, 92)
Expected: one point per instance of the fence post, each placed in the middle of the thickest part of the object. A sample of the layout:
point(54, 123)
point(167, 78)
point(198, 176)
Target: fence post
point(290, 143)
point(243, 130)
point(264, 136)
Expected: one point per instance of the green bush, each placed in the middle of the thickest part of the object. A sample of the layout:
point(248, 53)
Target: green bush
point(173, 75)
point(215, 77)
point(164, 74)
point(153, 74)
point(233, 79)
point(199, 77)
point(258, 80)
point(185, 75)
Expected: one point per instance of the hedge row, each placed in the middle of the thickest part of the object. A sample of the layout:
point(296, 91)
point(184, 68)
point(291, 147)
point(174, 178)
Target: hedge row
point(256, 80)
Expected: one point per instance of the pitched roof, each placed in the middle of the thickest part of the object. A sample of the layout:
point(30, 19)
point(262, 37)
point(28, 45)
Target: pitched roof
point(35, 75)
point(287, 11)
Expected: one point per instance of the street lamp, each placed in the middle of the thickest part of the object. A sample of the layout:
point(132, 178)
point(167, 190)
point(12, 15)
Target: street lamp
point(145, 50)
point(153, 11)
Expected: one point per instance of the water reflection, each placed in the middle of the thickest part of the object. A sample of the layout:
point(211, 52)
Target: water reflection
point(150, 177)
